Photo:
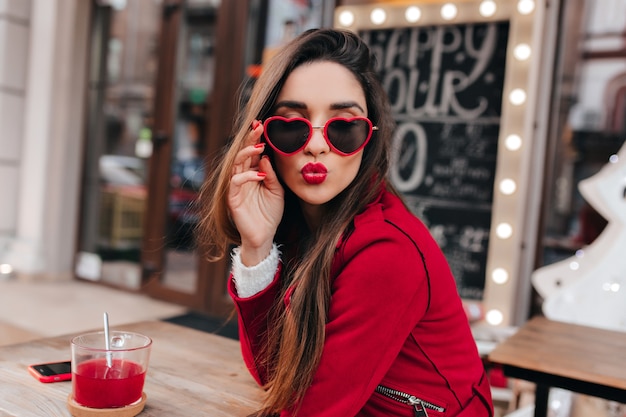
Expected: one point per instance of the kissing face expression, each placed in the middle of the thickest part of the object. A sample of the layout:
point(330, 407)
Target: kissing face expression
point(319, 91)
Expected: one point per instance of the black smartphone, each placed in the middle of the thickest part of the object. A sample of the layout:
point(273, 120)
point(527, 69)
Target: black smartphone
point(52, 371)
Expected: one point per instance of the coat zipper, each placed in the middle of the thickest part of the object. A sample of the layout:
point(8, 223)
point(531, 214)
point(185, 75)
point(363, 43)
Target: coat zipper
point(420, 406)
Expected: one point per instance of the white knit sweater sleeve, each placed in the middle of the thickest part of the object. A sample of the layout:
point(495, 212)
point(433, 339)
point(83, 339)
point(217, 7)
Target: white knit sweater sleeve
point(250, 280)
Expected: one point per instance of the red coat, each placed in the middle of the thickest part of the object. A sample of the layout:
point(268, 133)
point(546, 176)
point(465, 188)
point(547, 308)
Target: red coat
point(395, 320)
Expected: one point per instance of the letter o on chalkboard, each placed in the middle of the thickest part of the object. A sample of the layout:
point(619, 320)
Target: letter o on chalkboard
point(409, 144)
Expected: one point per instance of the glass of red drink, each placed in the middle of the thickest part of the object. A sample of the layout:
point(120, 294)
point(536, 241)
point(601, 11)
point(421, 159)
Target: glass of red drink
point(109, 378)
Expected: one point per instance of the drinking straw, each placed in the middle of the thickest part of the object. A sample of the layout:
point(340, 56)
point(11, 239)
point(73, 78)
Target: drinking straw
point(107, 343)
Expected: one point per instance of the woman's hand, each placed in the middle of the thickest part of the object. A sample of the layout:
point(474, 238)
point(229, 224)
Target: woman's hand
point(255, 199)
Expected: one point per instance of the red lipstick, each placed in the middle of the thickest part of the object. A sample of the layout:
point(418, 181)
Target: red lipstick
point(314, 173)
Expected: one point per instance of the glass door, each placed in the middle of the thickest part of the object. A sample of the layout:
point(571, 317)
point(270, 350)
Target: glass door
point(123, 68)
point(192, 120)
point(193, 88)
point(184, 87)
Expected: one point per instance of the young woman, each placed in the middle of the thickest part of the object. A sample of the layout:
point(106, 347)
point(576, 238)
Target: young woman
point(346, 305)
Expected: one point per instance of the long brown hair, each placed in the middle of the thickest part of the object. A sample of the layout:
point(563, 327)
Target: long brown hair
point(295, 342)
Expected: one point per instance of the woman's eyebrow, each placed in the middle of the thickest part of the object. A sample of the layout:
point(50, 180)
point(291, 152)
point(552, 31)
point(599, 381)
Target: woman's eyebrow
point(298, 105)
point(346, 105)
point(290, 104)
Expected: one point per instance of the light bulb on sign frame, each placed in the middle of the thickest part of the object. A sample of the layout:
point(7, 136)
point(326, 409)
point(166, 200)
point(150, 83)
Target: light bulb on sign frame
point(449, 11)
point(378, 16)
point(504, 231)
point(346, 18)
point(508, 186)
point(513, 142)
point(517, 97)
point(522, 52)
point(487, 8)
point(526, 6)
point(494, 317)
point(413, 14)
point(499, 276)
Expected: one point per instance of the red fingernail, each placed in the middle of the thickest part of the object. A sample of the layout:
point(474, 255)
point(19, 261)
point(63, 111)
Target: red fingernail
point(261, 174)
point(255, 124)
point(259, 145)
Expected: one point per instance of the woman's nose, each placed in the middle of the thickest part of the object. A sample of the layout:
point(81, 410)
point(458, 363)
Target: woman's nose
point(317, 144)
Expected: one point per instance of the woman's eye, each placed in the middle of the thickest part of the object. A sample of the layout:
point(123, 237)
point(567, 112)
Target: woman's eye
point(346, 115)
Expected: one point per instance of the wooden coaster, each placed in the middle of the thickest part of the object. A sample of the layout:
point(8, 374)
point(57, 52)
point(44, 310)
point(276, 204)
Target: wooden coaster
point(132, 410)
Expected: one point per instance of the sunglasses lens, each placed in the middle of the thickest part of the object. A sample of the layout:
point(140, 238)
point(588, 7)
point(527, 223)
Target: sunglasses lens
point(287, 135)
point(348, 135)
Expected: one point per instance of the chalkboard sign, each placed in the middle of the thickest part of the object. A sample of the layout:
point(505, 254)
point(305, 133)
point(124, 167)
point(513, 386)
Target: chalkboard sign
point(445, 86)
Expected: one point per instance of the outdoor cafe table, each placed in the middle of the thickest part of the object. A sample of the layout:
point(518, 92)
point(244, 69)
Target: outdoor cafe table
point(191, 373)
point(582, 359)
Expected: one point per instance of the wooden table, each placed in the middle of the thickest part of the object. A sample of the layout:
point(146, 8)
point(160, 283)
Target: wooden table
point(191, 373)
point(577, 358)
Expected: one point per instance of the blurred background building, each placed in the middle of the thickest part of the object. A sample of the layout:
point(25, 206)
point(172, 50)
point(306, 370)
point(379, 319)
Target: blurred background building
point(111, 111)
